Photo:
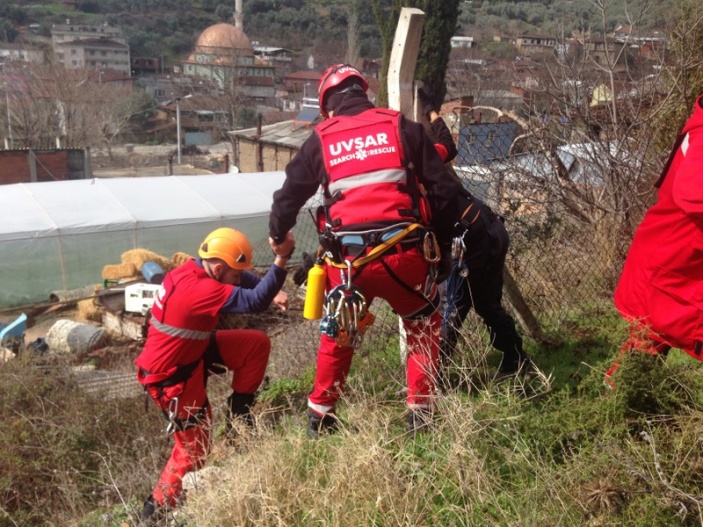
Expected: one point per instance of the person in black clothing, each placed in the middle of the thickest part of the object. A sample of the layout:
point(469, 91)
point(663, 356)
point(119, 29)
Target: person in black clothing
point(476, 276)
point(476, 281)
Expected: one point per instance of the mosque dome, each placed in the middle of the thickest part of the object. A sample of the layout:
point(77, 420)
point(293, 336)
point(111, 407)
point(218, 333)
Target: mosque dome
point(223, 36)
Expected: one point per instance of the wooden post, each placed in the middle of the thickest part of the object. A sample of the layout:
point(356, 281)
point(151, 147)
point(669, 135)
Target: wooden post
point(522, 312)
point(32, 161)
point(401, 68)
point(401, 94)
point(87, 164)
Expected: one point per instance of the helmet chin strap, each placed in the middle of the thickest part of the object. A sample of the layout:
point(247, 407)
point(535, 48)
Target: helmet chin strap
point(352, 88)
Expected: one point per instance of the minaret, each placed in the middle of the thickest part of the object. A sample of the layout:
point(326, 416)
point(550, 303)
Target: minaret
point(238, 15)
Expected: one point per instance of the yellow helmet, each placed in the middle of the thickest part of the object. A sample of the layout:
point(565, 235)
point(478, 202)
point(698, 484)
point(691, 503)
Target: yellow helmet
point(229, 245)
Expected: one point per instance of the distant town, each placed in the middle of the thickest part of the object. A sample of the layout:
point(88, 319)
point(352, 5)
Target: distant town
point(87, 90)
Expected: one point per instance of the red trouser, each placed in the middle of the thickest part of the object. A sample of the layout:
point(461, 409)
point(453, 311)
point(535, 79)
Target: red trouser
point(334, 361)
point(243, 351)
point(642, 339)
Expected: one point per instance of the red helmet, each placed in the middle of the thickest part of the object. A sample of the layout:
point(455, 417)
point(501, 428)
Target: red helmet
point(334, 76)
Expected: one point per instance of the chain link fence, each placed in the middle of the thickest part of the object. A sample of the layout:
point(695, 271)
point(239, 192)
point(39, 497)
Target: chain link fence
point(570, 209)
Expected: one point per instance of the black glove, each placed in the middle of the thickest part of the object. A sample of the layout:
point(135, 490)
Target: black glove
point(426, 98)
point(301, 273)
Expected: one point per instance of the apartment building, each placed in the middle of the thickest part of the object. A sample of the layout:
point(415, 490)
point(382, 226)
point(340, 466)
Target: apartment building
point(78, 46)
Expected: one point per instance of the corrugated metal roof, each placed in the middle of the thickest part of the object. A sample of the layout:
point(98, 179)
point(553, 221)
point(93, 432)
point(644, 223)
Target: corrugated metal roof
point(307, 115)
point(285, 133)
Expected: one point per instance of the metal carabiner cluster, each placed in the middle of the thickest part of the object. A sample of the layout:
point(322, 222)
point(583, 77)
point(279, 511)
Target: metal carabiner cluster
point(346, 314)
point(458, 251)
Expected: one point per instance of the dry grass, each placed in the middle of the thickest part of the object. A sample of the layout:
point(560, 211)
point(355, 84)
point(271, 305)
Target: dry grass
point(559, 450)
point(369, 473)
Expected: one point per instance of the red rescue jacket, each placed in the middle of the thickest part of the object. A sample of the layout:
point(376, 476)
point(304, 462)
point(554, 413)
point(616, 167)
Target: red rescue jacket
point(369, 185)
point(661, 286)
point(185, 312)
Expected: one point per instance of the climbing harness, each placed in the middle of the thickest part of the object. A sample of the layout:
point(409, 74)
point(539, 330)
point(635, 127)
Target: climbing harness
point(175, 424)
point(381, 241)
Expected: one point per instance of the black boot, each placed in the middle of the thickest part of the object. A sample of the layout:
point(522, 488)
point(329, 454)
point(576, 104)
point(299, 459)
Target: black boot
point(152, 513)
point(418, 421)
point(318, 424)
point(239, 409)
point(519, 366)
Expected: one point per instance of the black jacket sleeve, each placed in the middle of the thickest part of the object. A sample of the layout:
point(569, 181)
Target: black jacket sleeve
point(444, 138)
point(442, 189)
point(303, 178)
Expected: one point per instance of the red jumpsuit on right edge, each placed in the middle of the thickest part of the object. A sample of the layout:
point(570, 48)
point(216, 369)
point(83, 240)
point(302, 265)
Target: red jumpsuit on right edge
point(660, 291)
point(366, 159)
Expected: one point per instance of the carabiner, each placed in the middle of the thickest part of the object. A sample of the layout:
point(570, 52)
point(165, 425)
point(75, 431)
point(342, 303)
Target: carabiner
point(430, 248)
point(349, 274)
point(172, 416)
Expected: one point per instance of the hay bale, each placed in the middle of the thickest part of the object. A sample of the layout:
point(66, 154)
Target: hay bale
point(179, 259)
point(134, 259)
point(89, 309)
point(139, 257)
point(120, 271)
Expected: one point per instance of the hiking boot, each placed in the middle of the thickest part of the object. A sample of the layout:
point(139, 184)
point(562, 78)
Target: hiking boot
point(152, 513)
point(418, 421)
point(239, 421)
point(520, 369)
point(239, 409)
point(321, 424)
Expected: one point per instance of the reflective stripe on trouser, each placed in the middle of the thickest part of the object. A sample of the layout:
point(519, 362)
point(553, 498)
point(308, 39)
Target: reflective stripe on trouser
point(334, 361)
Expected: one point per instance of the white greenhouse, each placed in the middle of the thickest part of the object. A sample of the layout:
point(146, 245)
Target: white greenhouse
point(60, 235)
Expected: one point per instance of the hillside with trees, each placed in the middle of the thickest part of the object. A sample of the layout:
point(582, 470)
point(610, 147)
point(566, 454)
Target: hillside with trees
point(169, 28)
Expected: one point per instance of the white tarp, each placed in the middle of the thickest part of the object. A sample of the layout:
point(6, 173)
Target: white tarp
point(59, 235)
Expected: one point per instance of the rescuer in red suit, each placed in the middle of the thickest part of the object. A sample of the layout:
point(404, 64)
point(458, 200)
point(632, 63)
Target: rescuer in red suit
point(183, 348)
point(660, 291)
point(384, 186)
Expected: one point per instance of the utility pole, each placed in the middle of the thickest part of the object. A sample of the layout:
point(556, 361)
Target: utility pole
point(9, 122)
point(178, 123)
point(9, 116)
